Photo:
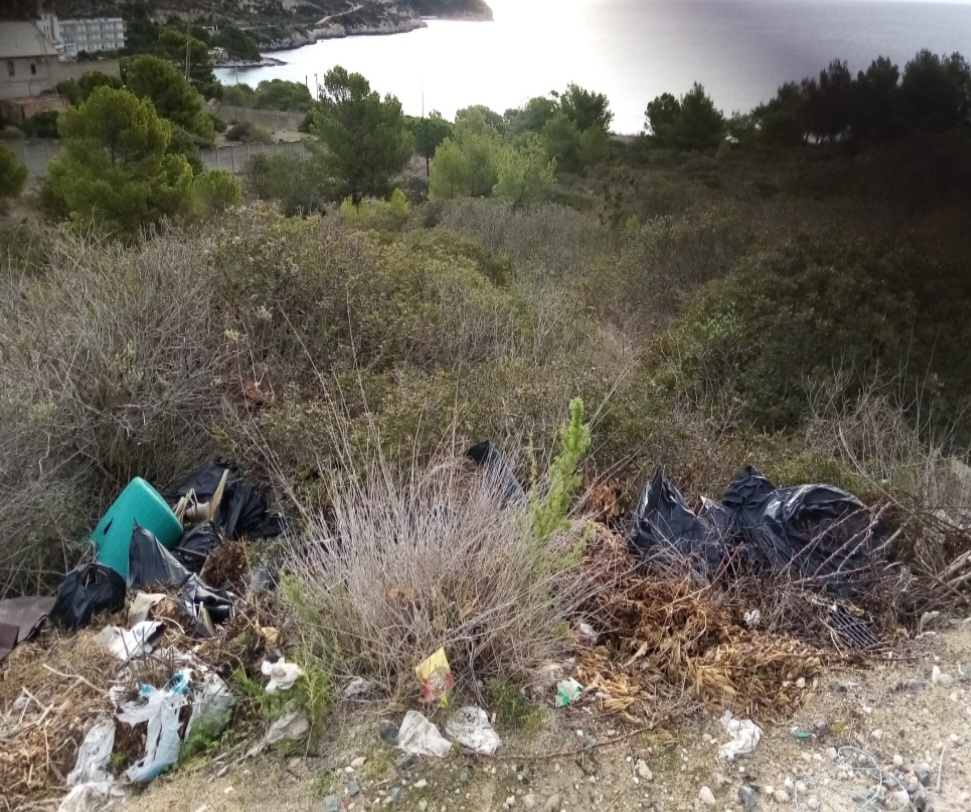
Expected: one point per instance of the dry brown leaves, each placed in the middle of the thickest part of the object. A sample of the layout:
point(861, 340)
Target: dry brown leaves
point(668, 639)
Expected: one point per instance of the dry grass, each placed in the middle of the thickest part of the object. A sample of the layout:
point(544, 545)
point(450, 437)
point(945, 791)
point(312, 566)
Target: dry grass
point(403, 566)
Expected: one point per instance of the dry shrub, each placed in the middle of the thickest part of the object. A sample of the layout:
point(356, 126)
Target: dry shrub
point(110, 367)
point(51, 692)
point(404, 565)
point(667, 636)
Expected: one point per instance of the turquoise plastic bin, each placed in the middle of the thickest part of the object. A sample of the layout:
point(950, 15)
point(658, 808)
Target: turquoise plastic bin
point(141, 503)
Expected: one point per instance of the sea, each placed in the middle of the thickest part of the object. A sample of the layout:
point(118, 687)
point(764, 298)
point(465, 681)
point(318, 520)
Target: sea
point(630, 50)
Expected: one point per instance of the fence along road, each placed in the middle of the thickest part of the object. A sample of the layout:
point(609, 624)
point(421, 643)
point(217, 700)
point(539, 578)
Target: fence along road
point(231, 157)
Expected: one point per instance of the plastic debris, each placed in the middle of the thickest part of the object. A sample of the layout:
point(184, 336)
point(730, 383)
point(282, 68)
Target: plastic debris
point(816, 532)
point(212, 707)
point(86, 590)
point(282, 675)
point(160, 709)
point(567, 691)
point(90, 796)
point(745, 736)
point(358, 688)
point(127, 644)
point(93, 755)
point(141, 605)
point(19, 619)
point(435, 676)
point(501, 476)
point(420, 737)
point(587, 634)
point(291, 726)
point(470, 727)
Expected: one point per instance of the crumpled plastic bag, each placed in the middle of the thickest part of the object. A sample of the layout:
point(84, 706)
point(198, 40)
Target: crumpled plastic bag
point(292, 726)
point(470, 727)
point(90, 796)
point(419, 736)
point(282, 675)
point(212, 707)
point(745, 736)
point(160, 709)
point(127, 644)
point(93, 755)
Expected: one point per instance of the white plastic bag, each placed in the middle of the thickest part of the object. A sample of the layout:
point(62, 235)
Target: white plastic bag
point(93, 754)
point(160, 709)
point(90, 796)
point(470, 726)
point(292, 726)
point(282, 675)
point(419, 736)
point(745, 736)
point(126, 644)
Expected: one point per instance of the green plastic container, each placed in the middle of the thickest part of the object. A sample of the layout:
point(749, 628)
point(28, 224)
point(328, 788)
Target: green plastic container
point(141, 503)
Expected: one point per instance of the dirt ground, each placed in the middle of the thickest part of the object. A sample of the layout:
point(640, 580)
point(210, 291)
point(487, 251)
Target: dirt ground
point(893, 723)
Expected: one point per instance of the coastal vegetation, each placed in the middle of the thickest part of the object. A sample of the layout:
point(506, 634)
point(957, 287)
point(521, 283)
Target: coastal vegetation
point(786, 288)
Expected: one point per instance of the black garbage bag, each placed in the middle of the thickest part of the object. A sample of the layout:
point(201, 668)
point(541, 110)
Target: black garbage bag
point(819, 533)
point(485, 455)
point(150, 563)
point(86, 590)
point(664, 526)
point(196, 545)
point(242, 511)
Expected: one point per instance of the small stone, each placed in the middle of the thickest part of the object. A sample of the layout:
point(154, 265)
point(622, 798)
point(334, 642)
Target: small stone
point(643, 771)
point(353, 789)
point(421, 783)
point(938, 677)
point(812, 802)
point(394, 795)
point(924, 776)
point(463, 777)
point(706, 796)
point(331, 804)
point(529, 801)
point(228, 791)
point(801, 683)
point(552, 804)
point(788, 783)
point(510, 802)
point(898, 760)
point(898, 799)
point(359, 762)
point(877, 734)
point(831, 753)
point(422, 805)
point(388, 731)
point(965, 797)
point(748, 798)
point(801, 787)
point(780, 796)
point(406, 762)
point(348, 770)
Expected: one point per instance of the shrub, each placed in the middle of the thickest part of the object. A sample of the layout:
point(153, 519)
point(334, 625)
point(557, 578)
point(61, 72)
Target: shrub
point(246, 132)
point(13, 175)
point(297, 184)
point(214, 192)
point(42, 125)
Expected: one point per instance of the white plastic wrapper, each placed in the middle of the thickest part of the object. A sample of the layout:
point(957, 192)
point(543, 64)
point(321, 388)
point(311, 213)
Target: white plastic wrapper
point(470, 727)
point(160, 709)
point(282, 675)
point(745, 737)
point(419, 736)
point(93, 754)
point(127, 644)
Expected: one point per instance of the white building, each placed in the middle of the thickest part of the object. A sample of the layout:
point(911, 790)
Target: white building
point(92, 35)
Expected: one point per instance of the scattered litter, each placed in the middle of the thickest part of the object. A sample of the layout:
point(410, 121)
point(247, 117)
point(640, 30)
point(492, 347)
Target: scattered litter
point(753, 618)
point(293, 725)
point(93, 755)
point(819, 533)
point(141, 605)
point(212, 707)
point(241, 510)
point(160, 709)
point(282, 675)
point(587, 634)
point(19, 619)
point(502, 477)
point(470, 727)
point(90, 796)
point(435, 677)
point(567, 691)
point(86, 590)
point(941, 678)
point(358, 688)
point(127, 644)
point(745, 736)
point(418, 736)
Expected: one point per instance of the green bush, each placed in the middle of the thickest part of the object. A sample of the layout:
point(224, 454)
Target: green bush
point(42, 125)
point(247, 132)
point(213, 192)
point(13, 175)
point(297, 184)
